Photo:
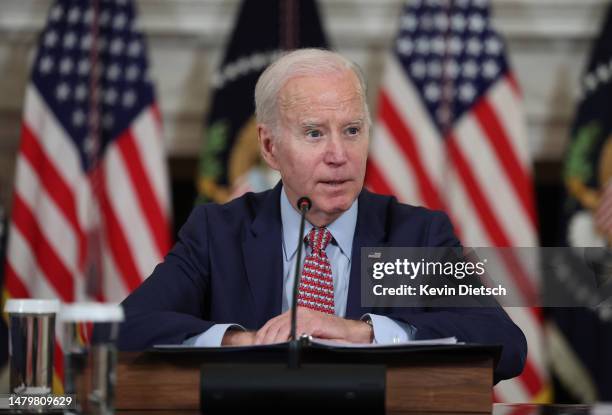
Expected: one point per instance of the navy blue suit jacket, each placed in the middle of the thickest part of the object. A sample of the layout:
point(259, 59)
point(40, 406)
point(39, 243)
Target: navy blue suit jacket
point(227, 268)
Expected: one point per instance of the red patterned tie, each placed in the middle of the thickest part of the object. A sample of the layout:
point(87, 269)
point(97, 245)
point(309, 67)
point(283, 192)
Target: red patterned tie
point(316, 290)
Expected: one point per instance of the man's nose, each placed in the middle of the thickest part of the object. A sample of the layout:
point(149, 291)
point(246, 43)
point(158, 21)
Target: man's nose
point(336, 152)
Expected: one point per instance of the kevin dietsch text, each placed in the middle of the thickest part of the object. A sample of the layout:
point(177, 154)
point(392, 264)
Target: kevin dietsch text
point(445, 291)
point(433, 269)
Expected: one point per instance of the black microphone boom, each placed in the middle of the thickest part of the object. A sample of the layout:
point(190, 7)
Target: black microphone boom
point(303, 204)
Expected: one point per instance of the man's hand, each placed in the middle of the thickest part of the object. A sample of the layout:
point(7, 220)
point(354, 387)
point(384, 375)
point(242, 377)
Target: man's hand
point(316, 324)
point(235, 337)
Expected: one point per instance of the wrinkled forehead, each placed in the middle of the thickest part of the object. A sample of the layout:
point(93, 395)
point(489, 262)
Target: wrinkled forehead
point(331, 91)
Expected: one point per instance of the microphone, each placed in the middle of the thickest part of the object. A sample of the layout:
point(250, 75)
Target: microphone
point(303, 204)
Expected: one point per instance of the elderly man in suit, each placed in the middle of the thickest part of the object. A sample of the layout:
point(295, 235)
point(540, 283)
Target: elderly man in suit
point(228, 280)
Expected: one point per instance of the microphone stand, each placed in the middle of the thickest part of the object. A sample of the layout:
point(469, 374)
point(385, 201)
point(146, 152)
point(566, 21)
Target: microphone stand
point(304, 204)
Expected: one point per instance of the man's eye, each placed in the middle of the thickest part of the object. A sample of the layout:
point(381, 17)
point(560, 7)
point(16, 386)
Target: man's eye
point(352, 130)
point(313, 133)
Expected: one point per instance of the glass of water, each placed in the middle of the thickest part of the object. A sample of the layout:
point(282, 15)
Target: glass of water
point(31, 343)
point(89, 332)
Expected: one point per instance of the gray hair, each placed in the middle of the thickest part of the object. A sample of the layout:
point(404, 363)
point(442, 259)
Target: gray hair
point(300, 62)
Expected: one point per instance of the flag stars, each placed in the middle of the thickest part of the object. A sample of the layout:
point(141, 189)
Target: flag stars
point(458, 22)
point(470, 69)
point(86, 42)
point(74, 15)
point(427, 23)
point(56, 13)
point(477, 23)
point(78, 118)
point(467, 92)
point(474, 46)
point(490, 69)
point(432, 92)
point(117, 46)
point(493, 46)
point(434, 69)
point(80, 92)
point(110, 96)
point(422, 45)
point(441, 22)
point(70, 40)
point(50, 39)
point(84, 67)
point(119, 21)
point(128, 99)
point(90, 145)
point(113, 72)
point(438, 46)
point(451, 69)
point(135, 48)
point(455, 45)
point(132, 73)
point(66, 66)
point(409, 23)
point(62, 91)
point(405, 46)
point(88, 16)
point(418, 69)
point(45, 65)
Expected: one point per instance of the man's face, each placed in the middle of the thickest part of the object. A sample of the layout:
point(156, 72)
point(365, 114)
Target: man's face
point(322, 143)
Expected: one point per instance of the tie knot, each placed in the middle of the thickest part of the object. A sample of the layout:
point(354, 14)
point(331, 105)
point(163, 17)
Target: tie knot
point(318, 238)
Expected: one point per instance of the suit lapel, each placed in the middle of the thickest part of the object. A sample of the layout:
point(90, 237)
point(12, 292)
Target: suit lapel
point(263, 259)
point(369, 231)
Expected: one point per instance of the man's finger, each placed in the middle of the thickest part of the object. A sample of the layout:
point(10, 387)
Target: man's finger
point(261, 333)
point(272, 332)
point(283, 334)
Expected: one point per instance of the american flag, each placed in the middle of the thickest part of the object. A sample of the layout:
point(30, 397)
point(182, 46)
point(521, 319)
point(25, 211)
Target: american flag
point(90, 215)
point(450, 135)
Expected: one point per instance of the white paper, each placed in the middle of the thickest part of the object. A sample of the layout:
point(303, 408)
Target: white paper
point(329, 343)
point(428, 342)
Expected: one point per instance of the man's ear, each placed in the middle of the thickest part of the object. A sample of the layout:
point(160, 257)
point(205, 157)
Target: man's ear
point(268, 146)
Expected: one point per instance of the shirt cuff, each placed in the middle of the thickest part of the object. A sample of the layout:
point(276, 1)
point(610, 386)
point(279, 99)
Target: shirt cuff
point(389, 331)
point(213, 337)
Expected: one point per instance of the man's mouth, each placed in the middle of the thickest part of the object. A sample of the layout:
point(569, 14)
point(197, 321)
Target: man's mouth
point(334, 182)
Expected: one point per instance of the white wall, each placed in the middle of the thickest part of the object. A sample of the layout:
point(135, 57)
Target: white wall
point(549, 41)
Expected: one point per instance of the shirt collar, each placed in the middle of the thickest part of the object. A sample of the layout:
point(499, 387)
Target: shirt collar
point(342, 229)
